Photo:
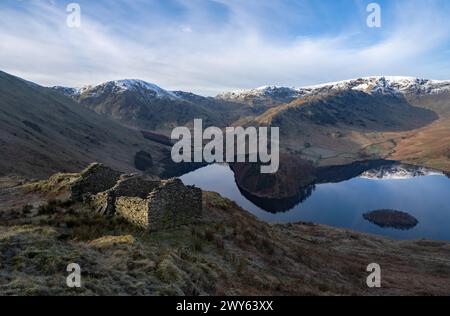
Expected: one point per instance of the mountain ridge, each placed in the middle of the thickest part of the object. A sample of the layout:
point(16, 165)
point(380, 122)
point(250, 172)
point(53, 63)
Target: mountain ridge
point(142, 105)
point(379, 85)
point(369, 84)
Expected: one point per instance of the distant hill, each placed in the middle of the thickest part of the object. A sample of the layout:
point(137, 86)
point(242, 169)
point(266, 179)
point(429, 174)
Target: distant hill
point(349, 110)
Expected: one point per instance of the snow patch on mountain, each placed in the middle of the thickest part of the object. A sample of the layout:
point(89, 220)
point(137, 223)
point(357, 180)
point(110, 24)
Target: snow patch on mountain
point(262, 92)
point(135, 85)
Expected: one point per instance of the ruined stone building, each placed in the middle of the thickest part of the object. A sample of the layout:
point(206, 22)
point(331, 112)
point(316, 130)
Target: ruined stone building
point(152, 204)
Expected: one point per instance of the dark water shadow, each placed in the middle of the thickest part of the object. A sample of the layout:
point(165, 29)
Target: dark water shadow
point(274, 206)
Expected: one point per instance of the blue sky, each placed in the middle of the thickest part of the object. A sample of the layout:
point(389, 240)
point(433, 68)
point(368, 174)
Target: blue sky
point(210, 46)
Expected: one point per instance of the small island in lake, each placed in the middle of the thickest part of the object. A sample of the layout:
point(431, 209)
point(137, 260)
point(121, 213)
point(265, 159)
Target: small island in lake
point(391, 219)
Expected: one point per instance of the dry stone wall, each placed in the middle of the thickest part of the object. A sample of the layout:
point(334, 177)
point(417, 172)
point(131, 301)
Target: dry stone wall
point(134, 210)
point(135, 185)
point(173, 204)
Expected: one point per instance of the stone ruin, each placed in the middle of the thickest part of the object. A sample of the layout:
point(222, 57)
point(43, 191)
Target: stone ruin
point(94, 179)
point(151, 204)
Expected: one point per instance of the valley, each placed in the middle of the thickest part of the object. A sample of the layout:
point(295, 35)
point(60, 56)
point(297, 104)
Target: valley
point(331, 124)
point(127, 125)
point(302, 238)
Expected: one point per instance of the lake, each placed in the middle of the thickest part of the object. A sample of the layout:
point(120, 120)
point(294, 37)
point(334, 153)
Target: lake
point(421, 193)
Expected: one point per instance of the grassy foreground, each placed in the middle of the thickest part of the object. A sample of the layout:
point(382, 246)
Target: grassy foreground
point(228, 252)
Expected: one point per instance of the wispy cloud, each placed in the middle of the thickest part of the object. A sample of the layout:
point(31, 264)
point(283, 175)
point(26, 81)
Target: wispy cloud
point(212, 46)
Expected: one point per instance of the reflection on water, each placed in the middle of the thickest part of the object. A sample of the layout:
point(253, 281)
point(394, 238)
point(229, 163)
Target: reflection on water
point(274, 205)
point(423, 194)
point(295, 181)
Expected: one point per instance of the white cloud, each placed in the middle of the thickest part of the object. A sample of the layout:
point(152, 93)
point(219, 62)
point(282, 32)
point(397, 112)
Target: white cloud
point(193, 55)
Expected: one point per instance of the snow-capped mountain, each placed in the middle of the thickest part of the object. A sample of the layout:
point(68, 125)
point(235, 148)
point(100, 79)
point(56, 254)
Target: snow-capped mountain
point(119, 86)
point(398, 172)
point(133, 85)
point(145, 105)
point(383, 85)
point(370, 85)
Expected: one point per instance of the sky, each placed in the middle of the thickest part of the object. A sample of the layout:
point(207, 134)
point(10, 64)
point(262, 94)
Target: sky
point(212, 46)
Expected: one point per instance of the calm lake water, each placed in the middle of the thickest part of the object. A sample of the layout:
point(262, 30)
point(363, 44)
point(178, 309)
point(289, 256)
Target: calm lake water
point(426, 197)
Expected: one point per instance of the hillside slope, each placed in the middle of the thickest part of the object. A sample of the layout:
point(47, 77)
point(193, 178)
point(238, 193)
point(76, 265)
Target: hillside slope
point(335, 128)
point(43, 132)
